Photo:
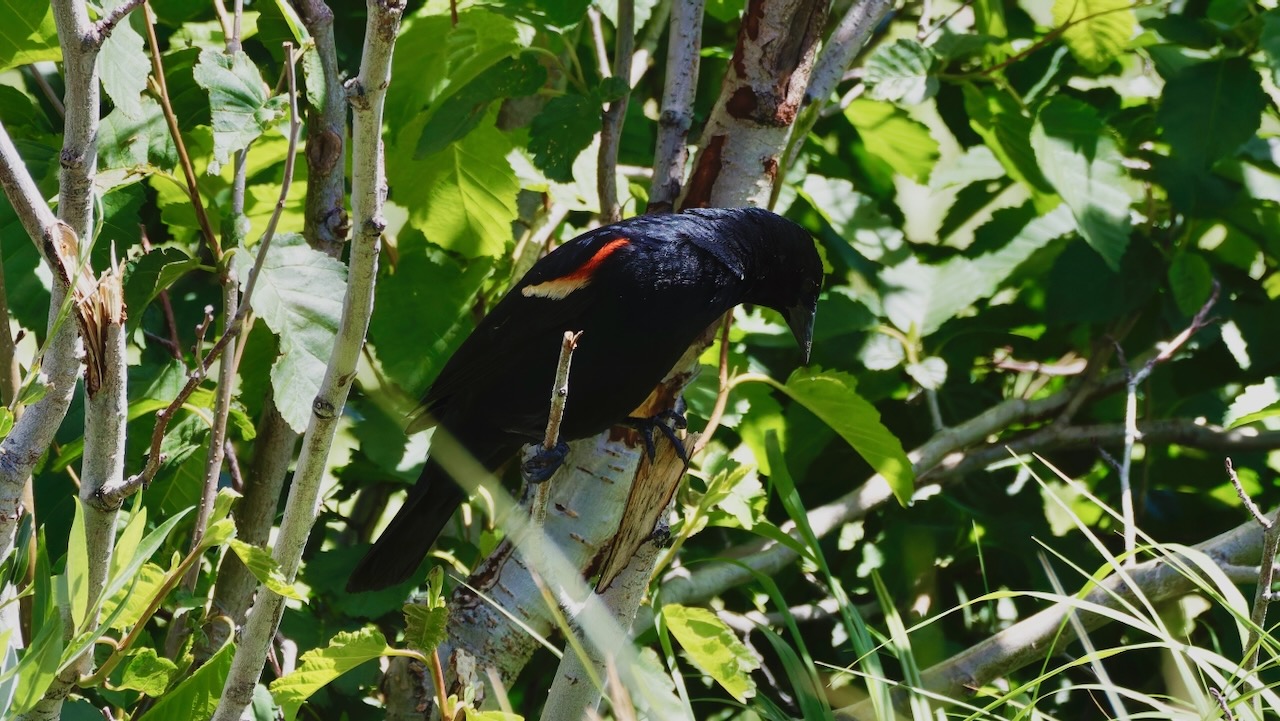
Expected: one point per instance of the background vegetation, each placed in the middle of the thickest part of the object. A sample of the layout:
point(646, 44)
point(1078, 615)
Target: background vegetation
point(1052, 230)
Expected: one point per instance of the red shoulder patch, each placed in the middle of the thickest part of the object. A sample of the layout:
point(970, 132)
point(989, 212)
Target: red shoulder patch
point(558, 288)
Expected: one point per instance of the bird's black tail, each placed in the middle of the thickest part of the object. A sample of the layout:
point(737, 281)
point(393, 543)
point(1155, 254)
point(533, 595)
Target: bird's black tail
point(400, 549)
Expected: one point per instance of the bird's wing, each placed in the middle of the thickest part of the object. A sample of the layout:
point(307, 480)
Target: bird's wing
point(542, 304)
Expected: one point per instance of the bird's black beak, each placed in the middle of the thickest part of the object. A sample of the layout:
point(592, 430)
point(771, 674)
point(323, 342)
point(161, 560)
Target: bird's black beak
point(800, 320)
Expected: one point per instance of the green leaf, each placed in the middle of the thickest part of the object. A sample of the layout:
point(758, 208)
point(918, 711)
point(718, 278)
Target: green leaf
point(265, 569)
point(464, 197)
point(560, 133)
point(412, 347)
point(1269, 42)
point(38, 666)
point(146, 672)
point(77, 569)
point(435, 58)
point(1004, 128)
point(137, 141)
point(930, 372)
point(1099, 30)
point(196, 697)
point(832, 397)
point(854, 216)
point(148, 275)
point(299, 296)
point(1254, 404)
point(320, 666)
point(124, 66)
point(6, 422)
point(135, 597)
point(712, 646)
point(926, 296)
point(891, 135)
point(424, 628)
point(1191, 281)
point(462, 111)
point(1085, 166)
point(240, 104)
point(900, 73)
point(30, 35)
point(1209, 110)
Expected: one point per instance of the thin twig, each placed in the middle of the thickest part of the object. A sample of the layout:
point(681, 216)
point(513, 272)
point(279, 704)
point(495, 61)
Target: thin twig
point(47, 90)
point(1131, 436)
point(102, 29)
point(615, 114)
point(560, 391)
point(1249, 505)
point(670, 153)
point(188, 172)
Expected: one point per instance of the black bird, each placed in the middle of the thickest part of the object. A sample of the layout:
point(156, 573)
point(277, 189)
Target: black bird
point(640, 291)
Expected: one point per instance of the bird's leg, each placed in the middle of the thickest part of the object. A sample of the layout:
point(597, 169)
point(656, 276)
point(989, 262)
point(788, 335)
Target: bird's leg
point(665, 422)
point(542, 463)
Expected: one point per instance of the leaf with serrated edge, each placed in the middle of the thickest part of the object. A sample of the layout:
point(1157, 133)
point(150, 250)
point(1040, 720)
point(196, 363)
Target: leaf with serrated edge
point(1085, 166)
point(320, 666)
point(299, 296)
point(240, 106)
point(713, 648)
point(196, 696)
point(1098, 32)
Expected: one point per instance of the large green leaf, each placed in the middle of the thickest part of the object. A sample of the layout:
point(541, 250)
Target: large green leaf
point(319, 666)
point(422, 311)
point(1083, 163)
point(891, 135)
point(240, 103)
point(196, 697)
point(1006, 129)
point(561, 132)
point(926, 296)
point(854, 216)
point(713, 648)
point(299, 296)
point(900, 72)
point(1097, 31)
point(833, 397)
point(124, 66)
point(462, 198)
point(146, 672)
point(461, 111)
point(133, 141)
point(1210, 109)
point(435, 58)
point(27, 34)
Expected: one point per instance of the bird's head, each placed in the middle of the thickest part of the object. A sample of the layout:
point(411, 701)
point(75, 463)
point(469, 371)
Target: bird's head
point(786, 270)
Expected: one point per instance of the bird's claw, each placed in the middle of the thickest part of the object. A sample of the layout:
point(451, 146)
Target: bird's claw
point(667, 423)
point(543, 463)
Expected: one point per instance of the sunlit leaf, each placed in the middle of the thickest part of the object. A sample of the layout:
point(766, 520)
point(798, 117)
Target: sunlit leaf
point(713, 648)
point(318, 667)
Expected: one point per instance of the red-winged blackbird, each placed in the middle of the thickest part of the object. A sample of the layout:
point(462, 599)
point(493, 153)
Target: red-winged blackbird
point(640, 291)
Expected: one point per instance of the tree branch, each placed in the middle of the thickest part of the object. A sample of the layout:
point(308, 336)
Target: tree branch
point(671, 154)
point(326, 223)
point(615, 114)
point(367, 93)
point(1046, 632)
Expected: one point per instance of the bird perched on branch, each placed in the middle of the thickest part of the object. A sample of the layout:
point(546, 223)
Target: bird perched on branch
point(641, 291)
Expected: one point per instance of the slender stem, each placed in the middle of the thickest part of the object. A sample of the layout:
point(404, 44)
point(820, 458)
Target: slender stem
point(615, 114)
point(188, 172)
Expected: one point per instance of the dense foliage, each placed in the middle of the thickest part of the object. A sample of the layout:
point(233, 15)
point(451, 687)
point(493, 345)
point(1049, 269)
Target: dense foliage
point(1021, 204)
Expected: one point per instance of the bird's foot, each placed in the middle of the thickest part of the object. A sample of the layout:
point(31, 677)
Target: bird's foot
point(667, 423)
point(542, 463)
